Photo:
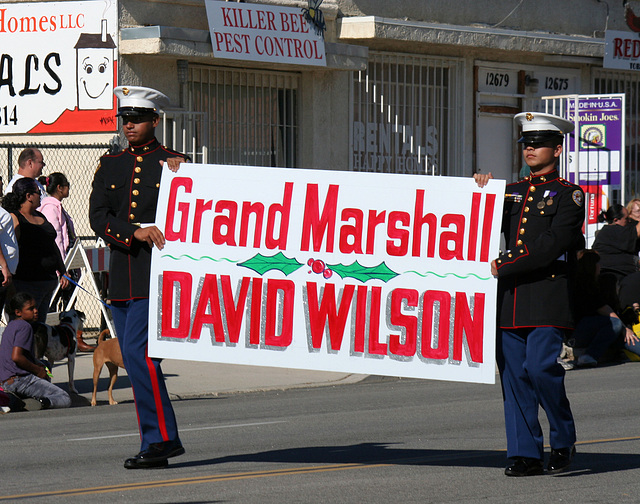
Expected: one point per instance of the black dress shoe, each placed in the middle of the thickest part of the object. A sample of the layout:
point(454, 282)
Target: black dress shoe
point(560, 459)
point(155, 456)
point(524, 466)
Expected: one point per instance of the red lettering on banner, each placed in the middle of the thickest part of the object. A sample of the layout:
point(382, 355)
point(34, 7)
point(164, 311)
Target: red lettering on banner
point(402, 247)
point(234, 313)
point(409, 322)
point(257, 209)
point(284, 210)
point(329, 317)
point(486, 227)
point(287, 288)
point(361, 319)
point(473, 226)
point(208, 298)
point(455, 237)
point(326, 315)
point(429, 299)
point(225, 223)
point(183, 208)
point(472, 327)
point(418, 221)
point(169, 281)
point(256, 309)
point(375, 346)
point(313, 223)
point(353, 245)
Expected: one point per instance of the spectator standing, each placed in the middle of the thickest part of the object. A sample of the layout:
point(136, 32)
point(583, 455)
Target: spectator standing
point(40, 262)
point(30, 164)
point(8, 255)
point(57, 187)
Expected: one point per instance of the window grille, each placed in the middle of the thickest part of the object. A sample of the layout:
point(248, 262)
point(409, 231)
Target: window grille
point(253, 115)
point(408, 115)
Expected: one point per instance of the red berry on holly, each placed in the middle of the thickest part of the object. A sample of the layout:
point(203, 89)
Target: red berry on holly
point(327, 273)
point(318, 266)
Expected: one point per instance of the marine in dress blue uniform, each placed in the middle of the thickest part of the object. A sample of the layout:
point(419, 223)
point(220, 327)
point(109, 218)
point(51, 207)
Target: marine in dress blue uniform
point(542, 226)
point(122, 207)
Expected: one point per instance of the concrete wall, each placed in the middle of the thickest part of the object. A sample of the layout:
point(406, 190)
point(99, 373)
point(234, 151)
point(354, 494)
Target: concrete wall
point(583, 17)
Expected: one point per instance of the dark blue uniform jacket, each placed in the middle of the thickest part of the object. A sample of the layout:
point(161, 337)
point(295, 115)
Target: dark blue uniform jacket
point(124, 195)
point(542, 226)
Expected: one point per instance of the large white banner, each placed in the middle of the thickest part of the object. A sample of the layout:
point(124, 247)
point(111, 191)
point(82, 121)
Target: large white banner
point(58, 66)
point(337, 271)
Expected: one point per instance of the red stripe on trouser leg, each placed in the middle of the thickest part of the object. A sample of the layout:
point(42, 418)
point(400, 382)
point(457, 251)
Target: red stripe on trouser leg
point(157, 398)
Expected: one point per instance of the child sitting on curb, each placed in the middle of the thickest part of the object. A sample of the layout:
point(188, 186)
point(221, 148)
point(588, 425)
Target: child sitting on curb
point(20, 373)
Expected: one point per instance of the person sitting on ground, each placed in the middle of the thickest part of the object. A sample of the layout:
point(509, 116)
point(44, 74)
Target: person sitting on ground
point(20, 372)
point(598, 327)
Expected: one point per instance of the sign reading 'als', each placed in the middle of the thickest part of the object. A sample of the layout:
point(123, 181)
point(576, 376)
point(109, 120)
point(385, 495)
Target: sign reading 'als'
point(257, 32)
point(58, 67)
point(337, 271)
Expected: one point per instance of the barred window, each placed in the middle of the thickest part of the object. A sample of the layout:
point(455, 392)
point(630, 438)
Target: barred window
point(252, 115)
point(407, 115)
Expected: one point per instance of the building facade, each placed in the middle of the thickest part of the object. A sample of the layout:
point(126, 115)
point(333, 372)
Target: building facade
point(427, 87)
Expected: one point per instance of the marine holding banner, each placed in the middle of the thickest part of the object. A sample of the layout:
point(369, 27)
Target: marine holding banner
point(122, 209)
point(542, 226)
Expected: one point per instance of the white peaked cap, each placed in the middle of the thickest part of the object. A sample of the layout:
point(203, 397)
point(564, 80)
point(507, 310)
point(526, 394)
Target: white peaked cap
point(137, 97)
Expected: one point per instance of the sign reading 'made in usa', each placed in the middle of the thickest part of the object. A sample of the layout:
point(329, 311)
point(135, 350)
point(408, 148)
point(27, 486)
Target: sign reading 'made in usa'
point(326, 270)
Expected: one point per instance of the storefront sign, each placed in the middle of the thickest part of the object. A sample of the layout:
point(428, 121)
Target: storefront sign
point(58, 67)
point(336, 271)
point(621, 50)
point(268, 33)
point(600, 137)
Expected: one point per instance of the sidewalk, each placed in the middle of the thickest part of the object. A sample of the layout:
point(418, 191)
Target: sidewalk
point(187, 379)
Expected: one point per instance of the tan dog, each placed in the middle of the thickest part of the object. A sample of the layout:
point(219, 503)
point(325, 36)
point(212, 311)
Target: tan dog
point(107, 352)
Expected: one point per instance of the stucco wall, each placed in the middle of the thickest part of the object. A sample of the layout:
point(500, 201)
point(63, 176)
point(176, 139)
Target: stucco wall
point(582, 17)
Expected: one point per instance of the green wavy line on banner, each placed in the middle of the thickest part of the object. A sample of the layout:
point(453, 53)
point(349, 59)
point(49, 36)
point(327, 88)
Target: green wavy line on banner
point(448, 274)
point(198, 259)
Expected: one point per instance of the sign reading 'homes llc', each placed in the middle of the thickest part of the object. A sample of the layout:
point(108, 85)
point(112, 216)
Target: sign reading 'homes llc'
point(256, 32)
point(58, 66)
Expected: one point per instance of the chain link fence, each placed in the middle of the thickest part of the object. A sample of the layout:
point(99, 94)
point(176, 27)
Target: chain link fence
point(78, 162)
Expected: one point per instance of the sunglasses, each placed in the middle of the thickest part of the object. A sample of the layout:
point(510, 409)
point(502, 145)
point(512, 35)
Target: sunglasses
point(136, 119)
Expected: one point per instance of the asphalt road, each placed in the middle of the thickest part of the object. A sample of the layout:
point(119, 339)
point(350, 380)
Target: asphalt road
point(379, 441)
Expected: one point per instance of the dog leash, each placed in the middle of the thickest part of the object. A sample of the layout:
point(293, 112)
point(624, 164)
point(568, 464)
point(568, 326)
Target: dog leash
point(90, 293)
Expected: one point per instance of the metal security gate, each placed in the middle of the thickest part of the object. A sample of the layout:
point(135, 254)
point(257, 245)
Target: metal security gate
point(407, 115)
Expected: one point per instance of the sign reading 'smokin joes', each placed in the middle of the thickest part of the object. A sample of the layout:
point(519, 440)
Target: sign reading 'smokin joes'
point(58, 67)
point(268, 33)
point(325, 270)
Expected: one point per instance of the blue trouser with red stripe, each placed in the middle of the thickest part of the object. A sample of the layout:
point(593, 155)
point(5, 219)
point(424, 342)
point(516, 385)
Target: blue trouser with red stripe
point(156, 418)
point(531, 377)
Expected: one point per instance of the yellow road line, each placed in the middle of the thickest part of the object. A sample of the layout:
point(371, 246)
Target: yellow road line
point(194, 480)
point(254, 474)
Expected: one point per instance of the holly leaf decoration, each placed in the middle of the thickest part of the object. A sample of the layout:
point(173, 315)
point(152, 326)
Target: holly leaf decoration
point(363, 273)
point(261, 264)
